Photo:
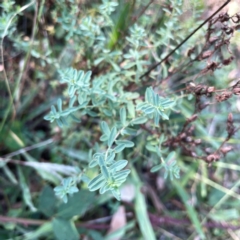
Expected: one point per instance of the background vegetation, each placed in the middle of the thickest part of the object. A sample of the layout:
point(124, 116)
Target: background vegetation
point(134, 92)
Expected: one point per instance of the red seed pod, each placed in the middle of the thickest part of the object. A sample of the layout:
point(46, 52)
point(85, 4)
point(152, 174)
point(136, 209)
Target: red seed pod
point(211, 89)
point(226, 149)
point(230, 118)
point(223, 18)
point(212, 158)
point(228, 30)
point(227, 61)
point(204, 105)
point(190, 51)
point(236, 91)
point(192, 118)
point(206, 54)
point(198, 141)
point(182, 135)
point(213, 39)
point(237, 27)
point(223, 97)
point(236, 18)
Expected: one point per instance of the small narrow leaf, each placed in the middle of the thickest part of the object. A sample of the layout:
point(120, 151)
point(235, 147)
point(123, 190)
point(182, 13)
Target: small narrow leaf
point(123, 116)
point(170, 156)
point(119, 148)
point(112, 136)
point(127, 143)
point(105, 129)
point(156, 168)
point(121, 174)
point(95, 180)
point(129, 131)
point(93, 163)
point(105, 172)
point(59, 104)
point(139, 120)
point(119, 165)
point(104, 138)
point(110, 157)
point(53, 109)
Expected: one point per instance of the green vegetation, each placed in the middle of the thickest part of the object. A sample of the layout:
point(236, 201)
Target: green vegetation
point(119, 120)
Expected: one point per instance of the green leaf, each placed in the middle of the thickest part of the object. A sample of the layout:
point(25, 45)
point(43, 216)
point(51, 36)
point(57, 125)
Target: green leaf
point(59, 104)
point(87, 76)
point(104, 138)
point(156, 119)
point(148, 110)
point(123, 115)
point(95, 235)
point(170, 156)
point(104, 188)
point(156, 168)
point(119, 165)
point(151, 147)
point(93, 163)
point(105, 172)
point(129, 131)
point(76, 205)
point(112, 136)
point(128, 144)
point(140, 208)
point(101, 161)
point(40, 233)
point(148, 95)
point(116, 194)
point(25, 190)
point(131, 109)
point(119, 176)
point(110, 157)
point(95, 180)
point(105, 129)
point(190, 209)
point(139, 120)
point(119, 148)
point(47, 201)
point(64, 229)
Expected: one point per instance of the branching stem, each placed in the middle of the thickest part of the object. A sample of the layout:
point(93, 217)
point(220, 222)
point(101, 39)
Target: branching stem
point(185, 40)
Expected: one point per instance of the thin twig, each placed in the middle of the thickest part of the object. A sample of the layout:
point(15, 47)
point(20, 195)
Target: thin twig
point(189, 36)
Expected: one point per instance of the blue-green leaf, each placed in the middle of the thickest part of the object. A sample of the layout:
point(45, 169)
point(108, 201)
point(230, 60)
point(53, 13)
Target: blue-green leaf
point(119, 165)
point(93, 163)
point(95, 180)
point(156, 168)
point(139, 120)
point(127, 143)
point(64, 229)
point(112, 136)
point(105, 172)
point(59, 104)
point(129, 131)
point(77, 205)
point(123, 115)
point(105, 129)
point(119, 148)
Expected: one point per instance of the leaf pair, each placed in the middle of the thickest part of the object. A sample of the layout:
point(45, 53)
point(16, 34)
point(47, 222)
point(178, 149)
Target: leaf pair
point(155, 106)
point(76, 80)
point(170, 166)
point(60, 115)
point(111, 176)
point(68, 187)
